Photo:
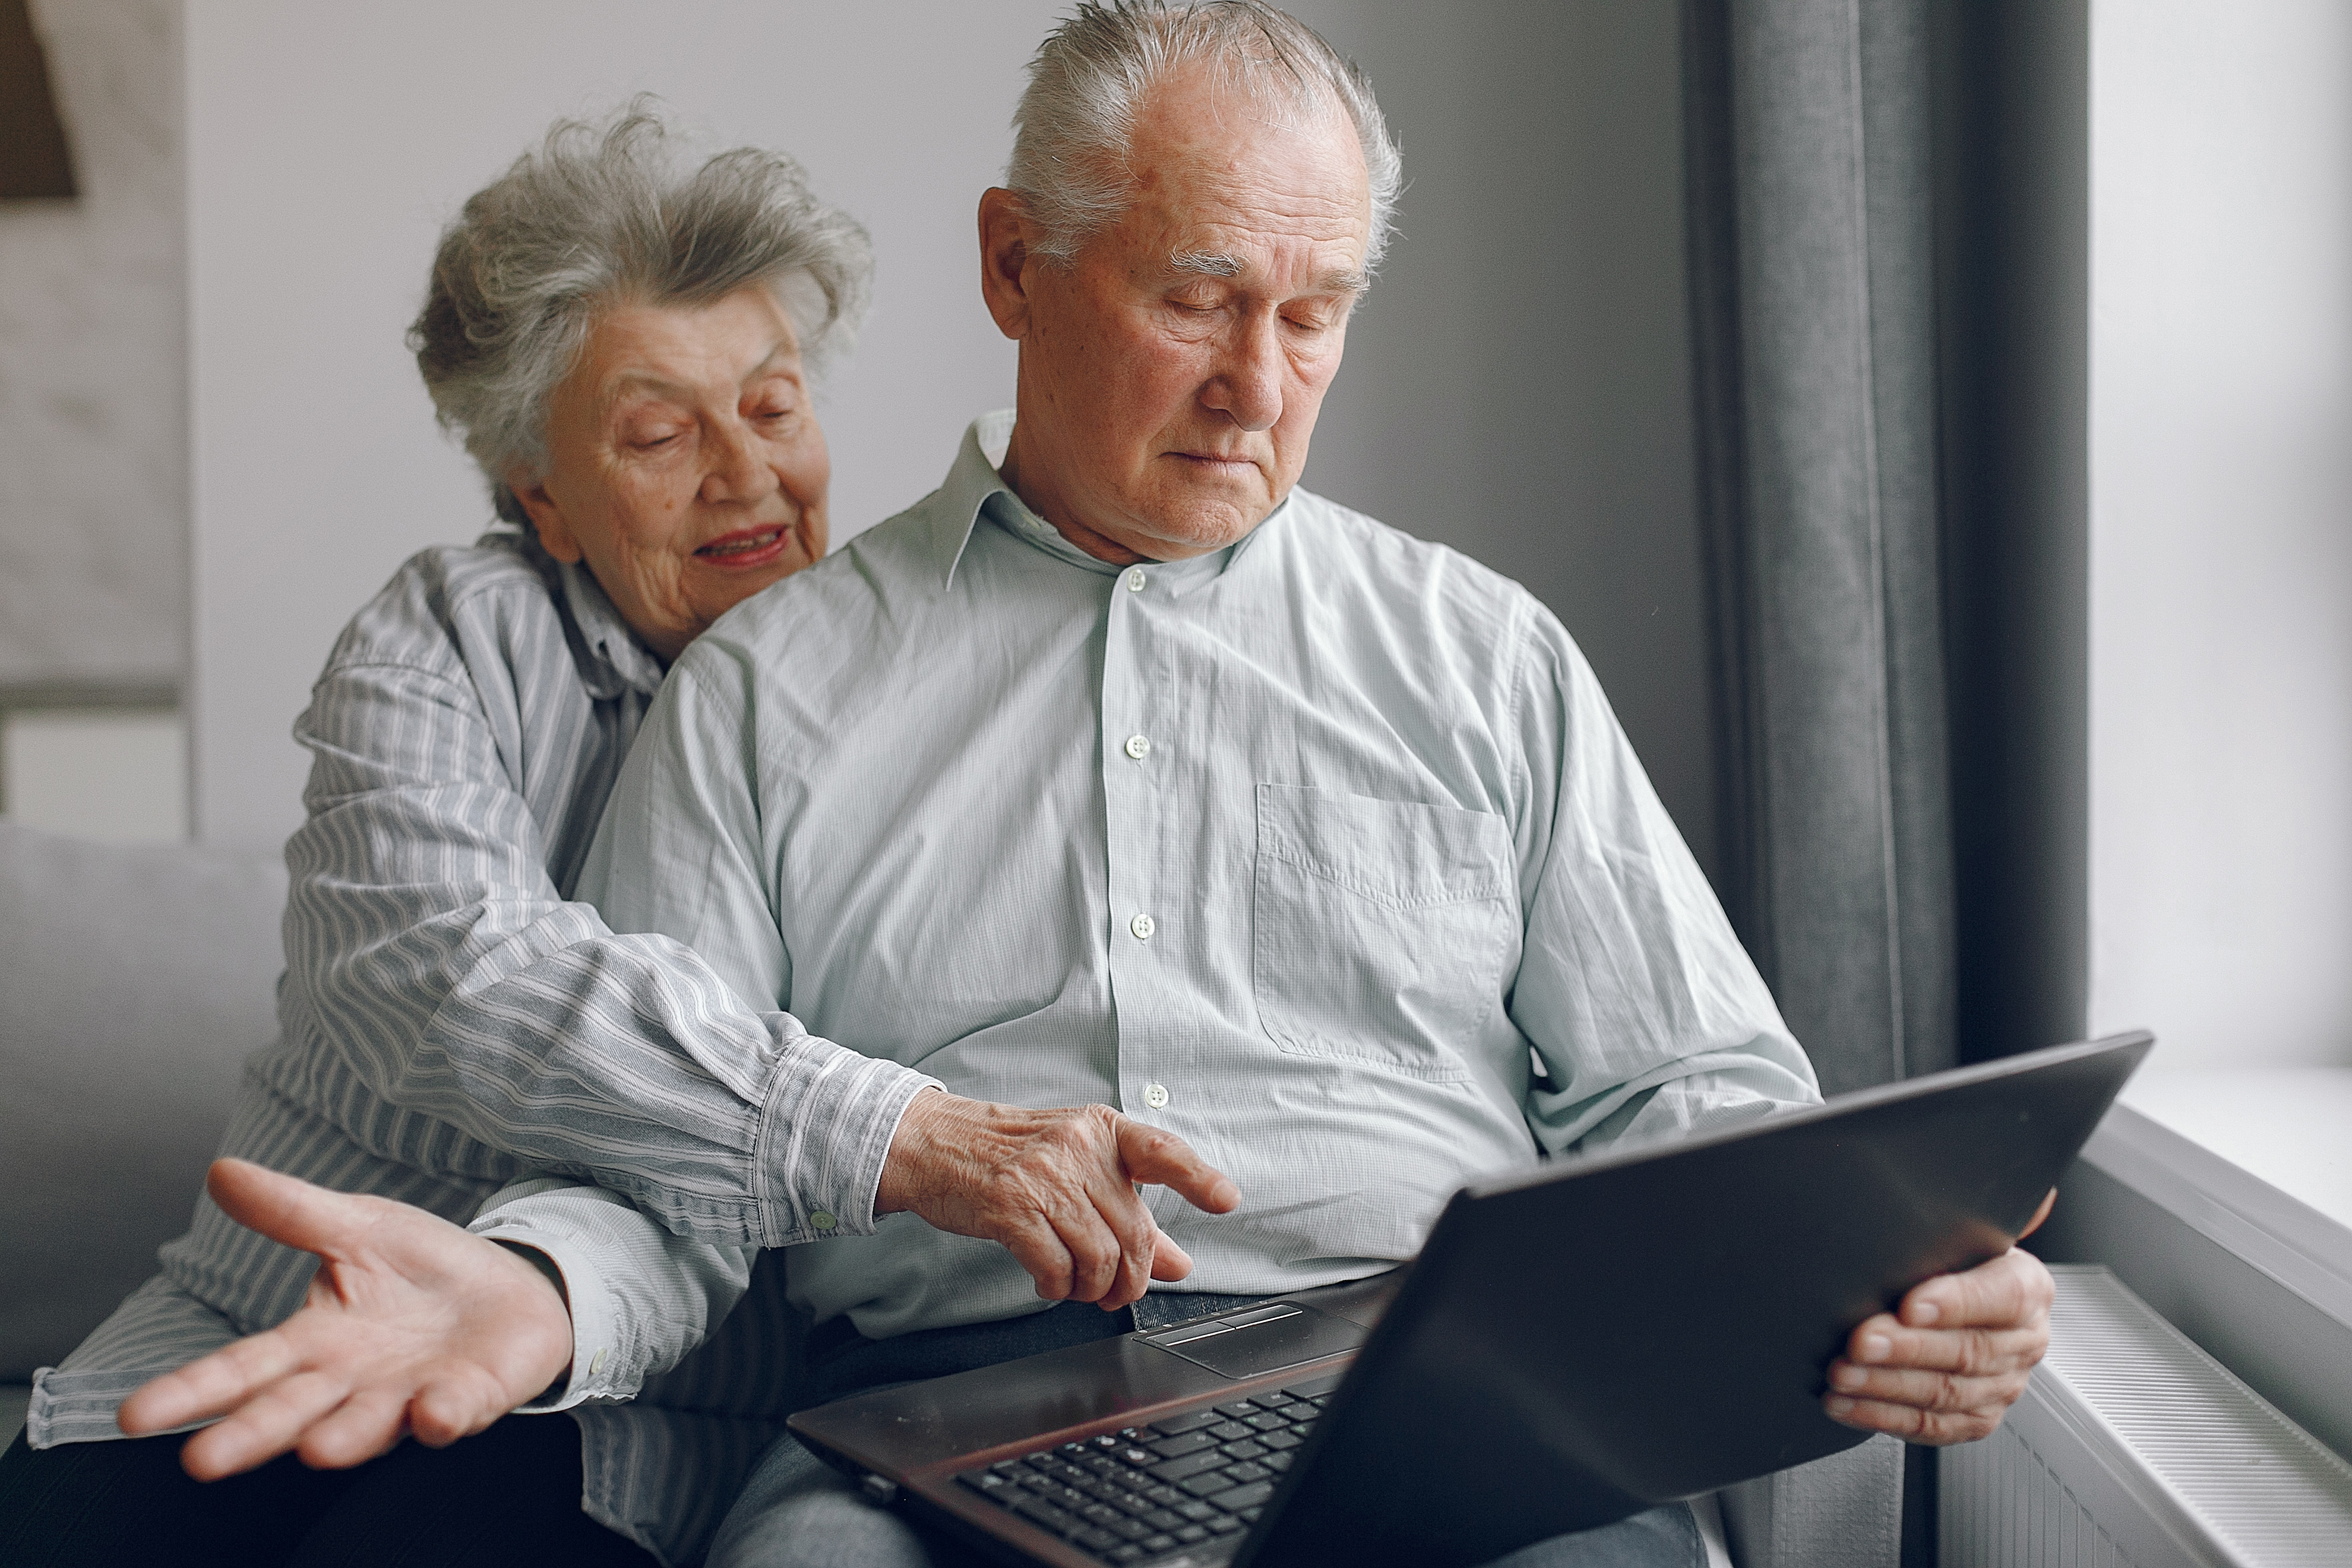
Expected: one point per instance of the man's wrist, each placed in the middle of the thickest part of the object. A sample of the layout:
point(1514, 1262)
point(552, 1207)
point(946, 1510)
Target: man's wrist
point(894, 1192)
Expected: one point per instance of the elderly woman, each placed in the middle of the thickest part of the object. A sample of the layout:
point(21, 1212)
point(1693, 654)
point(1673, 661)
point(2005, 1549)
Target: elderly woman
point(626, 343)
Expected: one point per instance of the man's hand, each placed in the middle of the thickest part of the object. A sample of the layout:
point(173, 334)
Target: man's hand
point(1057, 1188)
point(1946, 1366)
point(412, 1326)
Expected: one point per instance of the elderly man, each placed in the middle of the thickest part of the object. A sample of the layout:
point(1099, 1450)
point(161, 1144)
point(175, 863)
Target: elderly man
point(1299, 864)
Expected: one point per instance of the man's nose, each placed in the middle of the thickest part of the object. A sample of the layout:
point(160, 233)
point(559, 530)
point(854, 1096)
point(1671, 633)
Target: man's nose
point(1248, 387)
point(737, 470)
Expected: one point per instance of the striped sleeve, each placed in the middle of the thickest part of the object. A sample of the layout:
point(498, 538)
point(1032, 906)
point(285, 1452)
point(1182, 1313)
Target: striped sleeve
point(437, 975)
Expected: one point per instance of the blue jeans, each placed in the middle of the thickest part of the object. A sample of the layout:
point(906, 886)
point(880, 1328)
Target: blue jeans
point(797, 1511)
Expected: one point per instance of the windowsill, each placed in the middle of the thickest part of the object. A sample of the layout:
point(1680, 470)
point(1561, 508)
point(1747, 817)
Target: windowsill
point(2290, 1127)
point(2214, 1216)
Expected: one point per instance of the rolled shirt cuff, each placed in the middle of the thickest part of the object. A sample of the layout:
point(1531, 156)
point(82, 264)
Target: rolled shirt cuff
point(823, 1137)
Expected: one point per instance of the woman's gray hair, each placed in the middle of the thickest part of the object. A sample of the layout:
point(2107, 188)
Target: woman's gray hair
point(612, 212)
point(1072, 128)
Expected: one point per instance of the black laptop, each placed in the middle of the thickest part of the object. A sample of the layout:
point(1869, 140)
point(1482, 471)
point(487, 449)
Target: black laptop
point(1577, 1341)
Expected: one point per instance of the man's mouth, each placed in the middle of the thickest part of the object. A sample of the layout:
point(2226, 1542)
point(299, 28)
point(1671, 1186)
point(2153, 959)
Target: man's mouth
point(747, 547)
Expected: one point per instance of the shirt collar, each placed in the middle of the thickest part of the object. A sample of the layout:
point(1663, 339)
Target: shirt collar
point(623, 659)
point(609, 657)
point(974, 486)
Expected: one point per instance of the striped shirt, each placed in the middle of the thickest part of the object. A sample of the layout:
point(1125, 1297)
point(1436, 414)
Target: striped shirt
point(454, 1022)
point(1323, 851)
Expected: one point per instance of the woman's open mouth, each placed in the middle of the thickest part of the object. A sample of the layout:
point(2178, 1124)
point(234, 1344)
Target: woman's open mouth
point(749, 547)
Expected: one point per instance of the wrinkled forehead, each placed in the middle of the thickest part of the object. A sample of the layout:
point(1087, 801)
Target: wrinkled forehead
point(1205, 155)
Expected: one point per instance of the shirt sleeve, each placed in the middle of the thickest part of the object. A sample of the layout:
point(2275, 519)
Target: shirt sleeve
point(1648, 1015)
point(641, 1297)
point(679, 852)
point(431, 955)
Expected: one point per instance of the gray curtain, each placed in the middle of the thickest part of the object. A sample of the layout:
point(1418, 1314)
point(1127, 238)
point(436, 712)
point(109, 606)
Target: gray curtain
point(1813, 309)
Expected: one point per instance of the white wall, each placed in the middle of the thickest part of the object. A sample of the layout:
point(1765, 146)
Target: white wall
point(1517, 386)
point(326, 146)
point(2221, 528)
point(93, 478)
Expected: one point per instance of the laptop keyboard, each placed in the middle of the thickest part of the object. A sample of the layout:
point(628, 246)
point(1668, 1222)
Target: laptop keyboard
point(1186, 1480)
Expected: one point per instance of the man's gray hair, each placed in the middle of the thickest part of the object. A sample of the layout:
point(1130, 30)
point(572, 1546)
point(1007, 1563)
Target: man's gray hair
point(1072, 128)
point(616, 213)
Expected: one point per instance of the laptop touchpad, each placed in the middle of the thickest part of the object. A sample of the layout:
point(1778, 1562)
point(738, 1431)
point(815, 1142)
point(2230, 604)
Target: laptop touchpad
point(1260, 1339)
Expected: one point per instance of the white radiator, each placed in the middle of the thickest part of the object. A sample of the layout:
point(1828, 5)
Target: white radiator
point(2134, 1449)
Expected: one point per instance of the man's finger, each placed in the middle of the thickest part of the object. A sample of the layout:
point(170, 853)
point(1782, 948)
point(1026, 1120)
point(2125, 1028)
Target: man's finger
point(1883, 1341)
point(1169, 1262)
point(1927, 1390)
point(2013, 1289)
point(1037, 1247)
point(1908, 1422)
point(1974, 1353)
point(1094, 1250)
point(1147, 1154)
point(2049, 1200)
point(1121, 1208)
point(287, 1209)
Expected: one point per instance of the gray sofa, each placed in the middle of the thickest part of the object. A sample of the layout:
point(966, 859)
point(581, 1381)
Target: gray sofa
point(134, 981)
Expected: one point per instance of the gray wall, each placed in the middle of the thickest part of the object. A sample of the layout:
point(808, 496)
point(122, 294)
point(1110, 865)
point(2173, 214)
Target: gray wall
point(326, 146)
point(1518, 385)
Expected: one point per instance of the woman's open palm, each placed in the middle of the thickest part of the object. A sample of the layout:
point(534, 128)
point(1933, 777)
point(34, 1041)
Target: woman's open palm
point(412, 1326)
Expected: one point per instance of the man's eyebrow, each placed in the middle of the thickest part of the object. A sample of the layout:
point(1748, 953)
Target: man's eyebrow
point(1219, 264)
point(1205, 264)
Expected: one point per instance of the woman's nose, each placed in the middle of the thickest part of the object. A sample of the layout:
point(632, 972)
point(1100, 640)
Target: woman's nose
point(738, 471)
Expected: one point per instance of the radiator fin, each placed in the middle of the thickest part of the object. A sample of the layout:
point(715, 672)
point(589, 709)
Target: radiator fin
point(2136, 1449)
point(2003, 1506)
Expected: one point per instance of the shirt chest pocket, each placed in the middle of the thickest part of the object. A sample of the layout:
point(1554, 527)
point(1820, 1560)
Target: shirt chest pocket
point(1382, 928)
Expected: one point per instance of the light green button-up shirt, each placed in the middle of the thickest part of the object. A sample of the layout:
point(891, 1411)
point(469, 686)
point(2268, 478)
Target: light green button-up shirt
point(1324, 852)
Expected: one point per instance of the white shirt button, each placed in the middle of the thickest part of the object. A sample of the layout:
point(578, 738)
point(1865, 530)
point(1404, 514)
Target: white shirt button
point(1155, 1095)
point(1139, 747)
point(596, 1361)
point(1142, 926)
point(1135, 579)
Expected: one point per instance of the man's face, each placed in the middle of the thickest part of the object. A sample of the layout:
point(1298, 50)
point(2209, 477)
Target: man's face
point(1171, 376)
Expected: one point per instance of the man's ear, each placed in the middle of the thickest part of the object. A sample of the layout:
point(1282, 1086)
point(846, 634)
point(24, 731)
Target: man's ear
point(1004, 260)
point(555, 535)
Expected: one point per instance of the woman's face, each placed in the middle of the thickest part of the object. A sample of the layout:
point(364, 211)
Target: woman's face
point(685, 464)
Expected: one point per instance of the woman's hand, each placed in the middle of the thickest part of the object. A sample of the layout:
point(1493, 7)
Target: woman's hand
point(412, 1327)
